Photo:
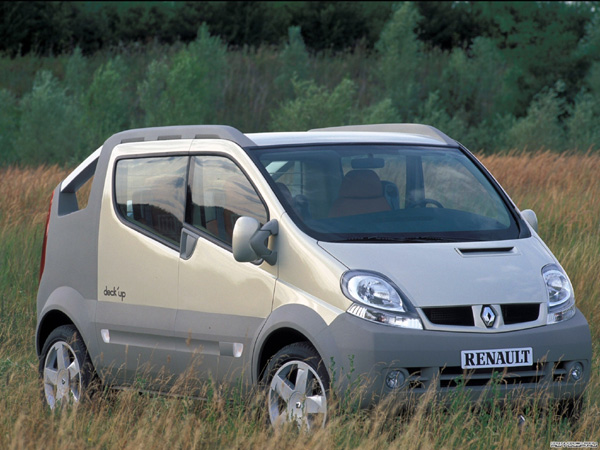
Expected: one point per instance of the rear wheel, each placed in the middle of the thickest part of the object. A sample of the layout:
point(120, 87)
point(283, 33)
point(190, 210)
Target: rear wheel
point(65, 367)
point(298, 387)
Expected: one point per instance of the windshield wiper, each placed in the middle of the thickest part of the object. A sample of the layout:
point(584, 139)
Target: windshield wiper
point(432, 239)
point(397, 239)
point(370, 239)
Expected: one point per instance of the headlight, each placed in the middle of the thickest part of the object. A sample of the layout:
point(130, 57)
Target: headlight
point(378, 300)
point(374, 291)
point(561, 301)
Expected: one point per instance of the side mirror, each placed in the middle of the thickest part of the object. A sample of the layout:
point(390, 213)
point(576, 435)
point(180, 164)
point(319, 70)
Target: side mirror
point(250, 240)
point(530, 218)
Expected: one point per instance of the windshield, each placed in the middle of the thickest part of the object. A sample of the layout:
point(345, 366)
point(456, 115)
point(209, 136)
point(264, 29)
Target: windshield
point(371, 193)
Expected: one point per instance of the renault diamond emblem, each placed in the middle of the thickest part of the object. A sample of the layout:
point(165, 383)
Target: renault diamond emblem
point(488, 315)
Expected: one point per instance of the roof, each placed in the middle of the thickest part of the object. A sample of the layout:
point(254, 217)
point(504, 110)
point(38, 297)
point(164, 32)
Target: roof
point(397, 133)
point(331, 137)
point(389, 133)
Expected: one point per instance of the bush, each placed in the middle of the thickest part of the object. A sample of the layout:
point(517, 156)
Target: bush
point(592, 80)
point(583, 124)
point(107, 103)
point(51, 127)
point(541, 127)
point(400, 60)
point(294, 63)
point(472, 82)
point(76, 73)
point(189, 90)
point(151, 91)
point(382, 112)
point(433, 112)
point(9, 124)
point(489, 135)
point(316, 107)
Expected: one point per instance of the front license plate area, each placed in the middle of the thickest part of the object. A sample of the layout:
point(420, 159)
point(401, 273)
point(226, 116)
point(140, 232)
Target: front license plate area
point(501, 357)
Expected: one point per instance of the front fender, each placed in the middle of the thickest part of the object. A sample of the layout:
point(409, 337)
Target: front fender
point(311, 325)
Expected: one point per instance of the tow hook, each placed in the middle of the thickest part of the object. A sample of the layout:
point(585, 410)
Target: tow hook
point(521, 422)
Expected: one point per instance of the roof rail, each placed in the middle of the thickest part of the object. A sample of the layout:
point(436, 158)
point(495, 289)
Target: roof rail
point(180, 132)
point(409, 128)
point(81, 174)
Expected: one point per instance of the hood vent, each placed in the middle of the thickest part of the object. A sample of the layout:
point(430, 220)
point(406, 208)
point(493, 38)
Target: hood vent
point(487, 251)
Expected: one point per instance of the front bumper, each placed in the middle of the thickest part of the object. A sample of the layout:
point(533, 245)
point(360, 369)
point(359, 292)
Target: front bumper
point(364, 353)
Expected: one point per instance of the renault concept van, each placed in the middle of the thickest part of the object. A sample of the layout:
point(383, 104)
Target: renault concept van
point(383, 258)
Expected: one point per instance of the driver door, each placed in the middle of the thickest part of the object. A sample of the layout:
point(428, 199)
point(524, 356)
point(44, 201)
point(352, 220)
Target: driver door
point(222, 303)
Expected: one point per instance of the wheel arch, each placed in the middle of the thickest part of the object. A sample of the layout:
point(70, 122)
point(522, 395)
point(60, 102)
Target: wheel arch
point(66, 306)
point(49, 322)
point(279, 338)
point(289, 324)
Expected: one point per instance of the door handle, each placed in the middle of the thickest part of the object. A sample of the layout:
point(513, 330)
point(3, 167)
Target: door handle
point(188, 244)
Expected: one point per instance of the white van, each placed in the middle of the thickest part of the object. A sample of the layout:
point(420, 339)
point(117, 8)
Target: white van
point(382, 257)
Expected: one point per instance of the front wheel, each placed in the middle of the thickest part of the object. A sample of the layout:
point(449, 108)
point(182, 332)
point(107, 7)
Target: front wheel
point(65, 367)
point(298, 387)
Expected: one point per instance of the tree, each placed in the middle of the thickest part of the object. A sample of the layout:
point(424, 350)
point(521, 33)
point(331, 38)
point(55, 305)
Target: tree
point(541, 39)
point(39, 27)
point(400, 60)
point(448, 25)
point(189, 89)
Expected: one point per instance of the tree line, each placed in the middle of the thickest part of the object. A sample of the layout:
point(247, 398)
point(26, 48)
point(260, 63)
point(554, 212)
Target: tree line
point(493, 75)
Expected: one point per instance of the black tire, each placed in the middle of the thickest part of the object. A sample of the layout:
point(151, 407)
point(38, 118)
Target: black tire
point(65, 368)
point(297, 386)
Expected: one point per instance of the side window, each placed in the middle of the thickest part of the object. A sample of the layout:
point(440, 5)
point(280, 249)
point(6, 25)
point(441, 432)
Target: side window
point(83, 193)
point(219, 194)
point(150, 193)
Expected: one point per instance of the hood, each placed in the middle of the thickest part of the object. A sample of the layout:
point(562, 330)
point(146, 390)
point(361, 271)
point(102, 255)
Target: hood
point(453, 274)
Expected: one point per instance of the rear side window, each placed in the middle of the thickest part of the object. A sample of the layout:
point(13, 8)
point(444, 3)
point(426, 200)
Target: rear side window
point(220, 193)
point(150, 194)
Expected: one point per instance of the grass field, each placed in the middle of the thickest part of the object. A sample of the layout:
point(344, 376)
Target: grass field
point(564, 191)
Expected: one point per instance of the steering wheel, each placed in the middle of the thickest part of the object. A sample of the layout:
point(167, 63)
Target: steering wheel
point(427, 201)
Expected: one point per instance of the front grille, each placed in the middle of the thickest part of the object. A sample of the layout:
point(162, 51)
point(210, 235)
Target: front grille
point(463, 315)
point(451, 377)
point(456, 315)
point(416, 380)
point(519, 313)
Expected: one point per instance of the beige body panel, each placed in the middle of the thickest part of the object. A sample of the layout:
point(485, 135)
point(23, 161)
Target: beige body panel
point(141, 267)
point(222, 307)
point(212, 281)
point(214, 307)
point(134, 326)
point(222, 303)
point(142, 271)
point(307, 275)
point(287, 294)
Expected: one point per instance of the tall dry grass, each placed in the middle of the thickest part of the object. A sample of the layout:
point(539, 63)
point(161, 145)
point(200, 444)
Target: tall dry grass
point(25, 194)
point(564, 190)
